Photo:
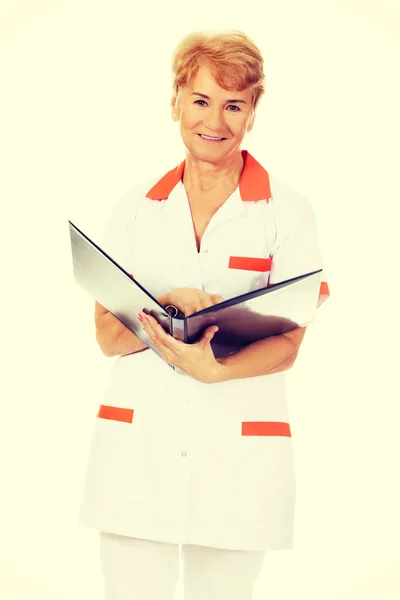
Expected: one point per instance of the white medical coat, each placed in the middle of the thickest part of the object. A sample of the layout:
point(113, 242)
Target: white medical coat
point(173, 459)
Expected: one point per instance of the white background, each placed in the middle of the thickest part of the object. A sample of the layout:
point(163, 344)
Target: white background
point(85, 90)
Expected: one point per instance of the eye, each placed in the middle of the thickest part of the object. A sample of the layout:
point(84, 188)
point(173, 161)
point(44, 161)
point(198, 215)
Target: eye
point(198, 101)
point(234, 106)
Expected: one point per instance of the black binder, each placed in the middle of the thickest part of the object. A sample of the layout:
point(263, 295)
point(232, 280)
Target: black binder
point(270, 310)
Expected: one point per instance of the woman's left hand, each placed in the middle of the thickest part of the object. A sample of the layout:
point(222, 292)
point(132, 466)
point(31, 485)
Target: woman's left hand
point(196, 360)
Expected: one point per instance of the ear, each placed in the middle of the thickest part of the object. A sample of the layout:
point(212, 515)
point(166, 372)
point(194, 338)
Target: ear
point(251, 121)
point(174, 107)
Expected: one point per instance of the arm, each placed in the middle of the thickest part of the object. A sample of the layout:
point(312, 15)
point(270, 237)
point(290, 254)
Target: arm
point(113, 337)
point(296, 251)
point(197, 360)
point(269, 355)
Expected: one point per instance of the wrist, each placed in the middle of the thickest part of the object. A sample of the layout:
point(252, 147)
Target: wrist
point(222, 371)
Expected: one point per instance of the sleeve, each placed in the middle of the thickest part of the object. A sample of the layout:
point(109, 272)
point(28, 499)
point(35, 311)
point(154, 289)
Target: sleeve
point(117, 236)
point(296, 250)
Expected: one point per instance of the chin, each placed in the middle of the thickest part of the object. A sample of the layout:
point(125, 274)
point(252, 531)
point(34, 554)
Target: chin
point(212, 154)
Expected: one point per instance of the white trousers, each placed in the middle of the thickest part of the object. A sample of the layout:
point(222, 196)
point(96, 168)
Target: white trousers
point(138, 569)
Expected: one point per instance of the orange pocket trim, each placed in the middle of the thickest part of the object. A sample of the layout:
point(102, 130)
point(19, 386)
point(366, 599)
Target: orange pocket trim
point(266, 428)
point(115, 414)
point(250, 264)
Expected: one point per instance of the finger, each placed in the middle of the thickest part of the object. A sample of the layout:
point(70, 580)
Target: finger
point(212, 330)
point(208, 335)
point(217, 299)
point(100, 310)
point(157, 333)
point(168, 300)
point(205, 302)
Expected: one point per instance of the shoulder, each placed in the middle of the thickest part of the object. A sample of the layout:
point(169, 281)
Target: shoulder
point(292, 213)
point(126, 206)
point(120, 224)
point(288, 204)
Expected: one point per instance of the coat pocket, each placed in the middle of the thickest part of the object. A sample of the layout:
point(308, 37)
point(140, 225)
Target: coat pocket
point(247, 263)
point(114, 413)
point(271, 428)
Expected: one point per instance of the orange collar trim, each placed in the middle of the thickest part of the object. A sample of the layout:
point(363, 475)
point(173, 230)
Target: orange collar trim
point(253, 185)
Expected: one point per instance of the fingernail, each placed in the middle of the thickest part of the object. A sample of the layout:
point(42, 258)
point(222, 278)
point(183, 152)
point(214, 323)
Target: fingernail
point(140, 318)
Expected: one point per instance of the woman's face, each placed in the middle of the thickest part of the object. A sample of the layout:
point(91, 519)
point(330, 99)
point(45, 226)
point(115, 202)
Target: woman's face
point(213, 121)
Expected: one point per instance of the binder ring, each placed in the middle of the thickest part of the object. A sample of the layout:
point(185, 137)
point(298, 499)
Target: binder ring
point(175, 309)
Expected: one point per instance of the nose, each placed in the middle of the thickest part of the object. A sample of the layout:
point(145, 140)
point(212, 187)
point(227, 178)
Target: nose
point(214, 120)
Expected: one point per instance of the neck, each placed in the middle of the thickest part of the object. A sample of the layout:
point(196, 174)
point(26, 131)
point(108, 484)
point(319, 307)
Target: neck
point(201, 177)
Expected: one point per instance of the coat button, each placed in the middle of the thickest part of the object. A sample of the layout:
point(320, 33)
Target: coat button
point(183, 453)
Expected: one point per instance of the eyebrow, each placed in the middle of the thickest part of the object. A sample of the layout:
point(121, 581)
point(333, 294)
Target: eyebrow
point(208, 97)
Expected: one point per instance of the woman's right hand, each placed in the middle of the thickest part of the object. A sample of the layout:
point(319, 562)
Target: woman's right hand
point(116, 339)
point(189, 300)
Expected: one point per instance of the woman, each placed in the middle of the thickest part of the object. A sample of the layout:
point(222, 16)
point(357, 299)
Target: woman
point(199, 460)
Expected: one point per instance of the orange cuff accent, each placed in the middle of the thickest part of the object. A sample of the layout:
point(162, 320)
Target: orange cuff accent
point(115, 414)
point(324, 293)
point(324, 289)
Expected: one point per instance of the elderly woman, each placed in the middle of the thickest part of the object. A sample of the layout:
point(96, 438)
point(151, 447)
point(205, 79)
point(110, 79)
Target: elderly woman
point(199, 460)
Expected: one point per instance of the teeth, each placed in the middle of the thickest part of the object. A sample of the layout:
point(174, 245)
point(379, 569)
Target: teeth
point(206, 137)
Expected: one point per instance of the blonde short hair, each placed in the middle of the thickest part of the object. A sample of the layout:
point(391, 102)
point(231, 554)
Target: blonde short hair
point(233, 58)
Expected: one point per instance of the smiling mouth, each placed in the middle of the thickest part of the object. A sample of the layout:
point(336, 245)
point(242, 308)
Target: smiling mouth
point(209, 138)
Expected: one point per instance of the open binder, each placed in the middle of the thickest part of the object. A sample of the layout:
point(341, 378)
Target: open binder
point(271, 310)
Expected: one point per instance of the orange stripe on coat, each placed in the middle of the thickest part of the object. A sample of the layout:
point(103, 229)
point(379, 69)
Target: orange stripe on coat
point(266, 428)
point(324, 289)
point(250, 264)
point(115, 414)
